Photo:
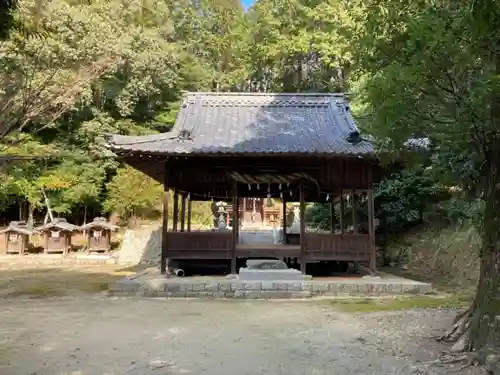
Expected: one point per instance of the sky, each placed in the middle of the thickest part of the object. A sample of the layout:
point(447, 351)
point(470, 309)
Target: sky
point(247, 3)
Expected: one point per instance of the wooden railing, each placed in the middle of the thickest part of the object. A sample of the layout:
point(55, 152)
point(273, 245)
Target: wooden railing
point(341, 247)
point(200, 245)
point(318, 247)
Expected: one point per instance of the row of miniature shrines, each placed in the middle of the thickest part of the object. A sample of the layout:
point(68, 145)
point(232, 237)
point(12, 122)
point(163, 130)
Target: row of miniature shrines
point(57, 236)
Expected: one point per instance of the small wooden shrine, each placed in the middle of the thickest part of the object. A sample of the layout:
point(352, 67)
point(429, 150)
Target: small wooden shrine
point(259, 212)
point(99, 234)
point(16, 238)
point(57, 236)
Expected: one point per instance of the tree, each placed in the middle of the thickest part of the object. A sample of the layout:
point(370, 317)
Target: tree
point(131, 192)
point(103, 67)
point(433, 68)
point(296, 45)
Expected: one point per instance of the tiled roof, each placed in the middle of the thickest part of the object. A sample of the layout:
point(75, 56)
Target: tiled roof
point(18, 227)
point(58, 223)
point(99, 222)
point(248, 123)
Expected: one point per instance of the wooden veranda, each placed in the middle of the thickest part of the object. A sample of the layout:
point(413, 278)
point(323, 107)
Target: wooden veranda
point(295, 147)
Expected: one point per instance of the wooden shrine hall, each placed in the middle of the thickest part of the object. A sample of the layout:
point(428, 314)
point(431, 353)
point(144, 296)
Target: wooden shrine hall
point(226, 146)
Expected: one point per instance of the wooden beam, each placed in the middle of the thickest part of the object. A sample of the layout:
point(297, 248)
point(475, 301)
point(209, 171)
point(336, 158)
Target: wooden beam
point(164, 229)
point(371, 231)
point(183, 211)
point(302, 230)
point(176, 211)
point(189, 212)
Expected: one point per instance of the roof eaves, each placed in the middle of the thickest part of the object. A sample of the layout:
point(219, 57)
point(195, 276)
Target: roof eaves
point(250, 154)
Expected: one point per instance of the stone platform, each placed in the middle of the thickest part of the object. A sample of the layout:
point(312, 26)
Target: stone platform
point(158, 287)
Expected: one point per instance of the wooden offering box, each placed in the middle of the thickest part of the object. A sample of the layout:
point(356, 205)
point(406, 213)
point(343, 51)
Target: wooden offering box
point(99, 234)
point(16, 238)
point(57, 236)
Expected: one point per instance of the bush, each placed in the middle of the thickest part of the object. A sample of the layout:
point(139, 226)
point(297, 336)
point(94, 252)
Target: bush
point(131, 193)
point(400, 201)
point(442, 255)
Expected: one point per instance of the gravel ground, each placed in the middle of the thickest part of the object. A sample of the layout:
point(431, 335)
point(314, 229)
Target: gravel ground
point(90, 335)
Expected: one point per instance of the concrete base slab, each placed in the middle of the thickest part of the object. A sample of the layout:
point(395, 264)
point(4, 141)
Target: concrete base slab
point(266, 264)
point(248, 274)
point(262, 289)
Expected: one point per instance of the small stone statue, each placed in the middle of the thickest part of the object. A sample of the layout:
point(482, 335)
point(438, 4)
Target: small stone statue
point(221, 225)
point(295, 226)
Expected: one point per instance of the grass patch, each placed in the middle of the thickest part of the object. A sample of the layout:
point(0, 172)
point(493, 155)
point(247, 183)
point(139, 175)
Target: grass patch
point(4, 284)
point(368, 305)
point(58, 283)
point(5, 350)
point(41, 291)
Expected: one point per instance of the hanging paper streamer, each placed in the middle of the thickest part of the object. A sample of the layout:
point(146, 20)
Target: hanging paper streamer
point(327, 197)
point(280, 186)
point(249, 187)
point(268, 188)
point(258, 186)
point(281, 194)
point(189, 196)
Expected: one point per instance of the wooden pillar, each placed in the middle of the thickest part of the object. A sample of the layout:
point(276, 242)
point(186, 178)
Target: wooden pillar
point(164, 234)
point(341, 221)
point(24, 244)
point(46, 242)
point(332, 217)
point(183, 211)
point(89, 238)
point(302, 230)
point(189, 211)
point(371, 231)
point(354, 206)
point(244, 210)
point(235, 233)
point(236, 222)
point(68, 243)
point(284, 221)
point(176, 211)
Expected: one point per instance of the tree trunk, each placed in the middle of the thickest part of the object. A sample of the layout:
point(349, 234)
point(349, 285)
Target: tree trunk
point(85, 220)
point(478, 329)
point(485, 324)
point(31, 219)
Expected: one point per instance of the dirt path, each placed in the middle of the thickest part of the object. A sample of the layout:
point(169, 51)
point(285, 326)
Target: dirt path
point(95, 335)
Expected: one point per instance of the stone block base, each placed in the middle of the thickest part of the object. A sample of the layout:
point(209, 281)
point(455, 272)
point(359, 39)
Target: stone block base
point(227, 288)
